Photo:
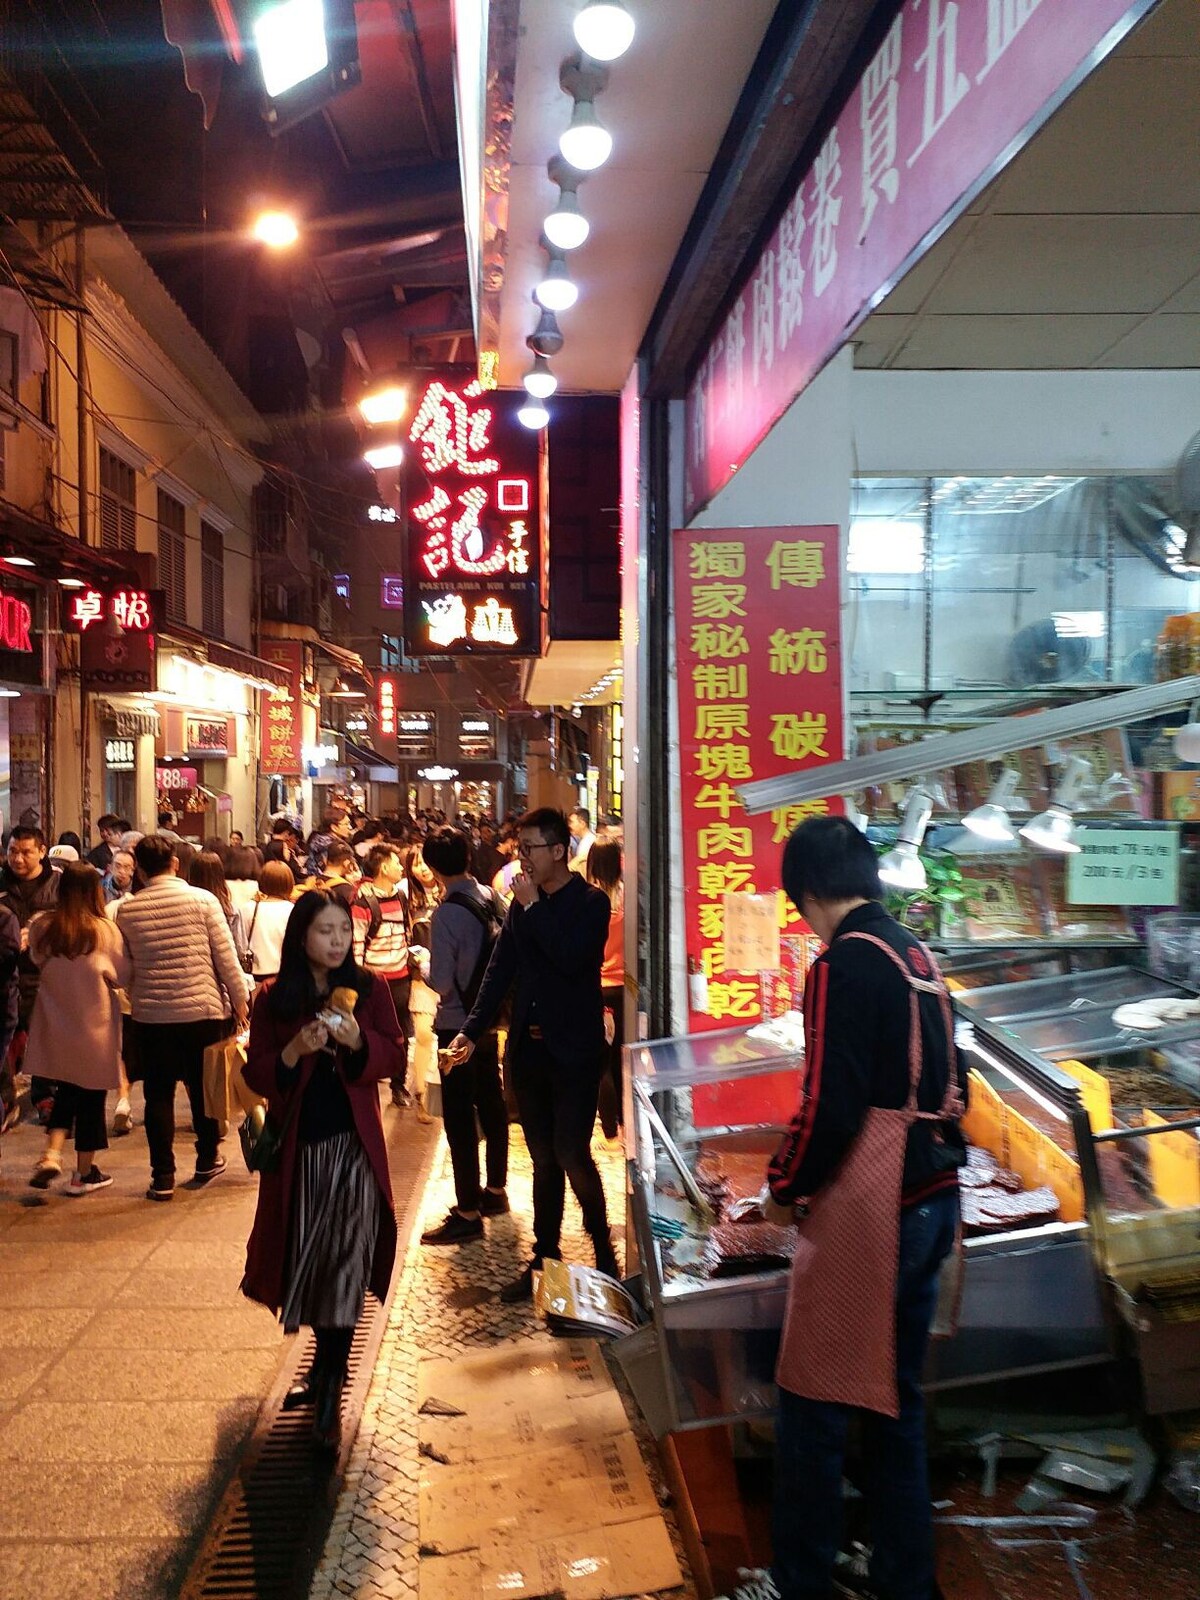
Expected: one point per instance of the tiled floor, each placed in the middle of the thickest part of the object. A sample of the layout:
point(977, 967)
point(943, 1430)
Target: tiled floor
point(445, 1302)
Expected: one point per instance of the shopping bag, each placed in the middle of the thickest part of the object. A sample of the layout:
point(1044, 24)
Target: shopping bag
point(218, 1064)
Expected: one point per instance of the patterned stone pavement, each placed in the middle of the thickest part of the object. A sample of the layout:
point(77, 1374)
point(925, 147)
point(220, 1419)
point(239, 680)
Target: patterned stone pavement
point(444, 1303)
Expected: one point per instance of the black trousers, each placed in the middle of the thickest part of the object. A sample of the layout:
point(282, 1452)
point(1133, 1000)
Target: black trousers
point(170, 1053)
point(81, 1110)
point(474, 1088)
point(557, 1102)
point(401, 991)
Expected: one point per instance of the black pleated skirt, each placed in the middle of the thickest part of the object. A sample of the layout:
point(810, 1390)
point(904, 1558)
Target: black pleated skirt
point(335, 1220)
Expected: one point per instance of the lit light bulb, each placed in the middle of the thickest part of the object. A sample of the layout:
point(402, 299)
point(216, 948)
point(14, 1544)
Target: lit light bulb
point(276, 229)
point(384, 455)
point(384, 405)
point(585, 144)
point(539, 381)
point(566, 226)
point(533, 414)
point(604, 29)
point(556, 292)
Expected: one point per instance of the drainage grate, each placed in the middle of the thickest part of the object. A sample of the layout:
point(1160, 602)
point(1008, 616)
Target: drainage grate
point(268, 1532)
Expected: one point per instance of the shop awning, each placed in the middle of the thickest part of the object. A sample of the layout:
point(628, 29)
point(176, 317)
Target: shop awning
point(56, 554)
point(360, 755)
point(250, 666)
point(348, 662)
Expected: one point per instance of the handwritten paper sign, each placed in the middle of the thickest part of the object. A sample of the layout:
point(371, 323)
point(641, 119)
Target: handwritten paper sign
point(1125, 867)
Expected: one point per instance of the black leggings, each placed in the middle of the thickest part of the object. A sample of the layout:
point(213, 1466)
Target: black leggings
point(333, 1350)
point(82, 1110)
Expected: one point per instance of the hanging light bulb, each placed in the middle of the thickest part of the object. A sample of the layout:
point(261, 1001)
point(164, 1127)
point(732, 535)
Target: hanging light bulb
point(902, 867)
point(533, 414)
point(546, 339)
point(566, 227)
point(604, 29)
point(539, 381)
point(991, 820)
point(1054, 828)
point(556, 292)
point(585, 144)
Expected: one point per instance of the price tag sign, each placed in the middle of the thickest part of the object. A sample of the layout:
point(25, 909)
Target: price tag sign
point(751, 932)
point(1124, 867)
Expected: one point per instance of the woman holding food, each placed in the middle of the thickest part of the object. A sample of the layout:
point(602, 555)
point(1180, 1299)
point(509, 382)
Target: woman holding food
point(323, 1036)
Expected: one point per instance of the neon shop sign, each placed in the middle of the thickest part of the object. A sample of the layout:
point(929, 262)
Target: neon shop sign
point(133, 609)
point(471, 482)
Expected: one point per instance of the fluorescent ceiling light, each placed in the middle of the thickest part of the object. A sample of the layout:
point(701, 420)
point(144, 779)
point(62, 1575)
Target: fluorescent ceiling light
point(604, 29)
point(884, 546)
point(18, 561)
point(384, 455)
point(291, 43)
point(71, 583)
point(1079, 624)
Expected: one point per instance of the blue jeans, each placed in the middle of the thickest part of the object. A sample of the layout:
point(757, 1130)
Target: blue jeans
point(810, 1443)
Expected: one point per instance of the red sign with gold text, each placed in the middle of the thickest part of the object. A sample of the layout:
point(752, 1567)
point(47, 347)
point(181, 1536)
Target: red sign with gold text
point(282, 741)
point(954, 89)
point(758, 649)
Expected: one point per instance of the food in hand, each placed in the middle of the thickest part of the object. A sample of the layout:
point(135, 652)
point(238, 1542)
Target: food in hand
point(341, 1005)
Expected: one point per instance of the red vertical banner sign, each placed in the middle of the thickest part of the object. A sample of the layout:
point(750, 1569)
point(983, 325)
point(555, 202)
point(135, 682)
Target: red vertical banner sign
point(759, 674)
point(280, 714)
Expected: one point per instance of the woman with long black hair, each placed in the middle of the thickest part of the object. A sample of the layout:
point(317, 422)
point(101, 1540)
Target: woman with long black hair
point(323, 1036)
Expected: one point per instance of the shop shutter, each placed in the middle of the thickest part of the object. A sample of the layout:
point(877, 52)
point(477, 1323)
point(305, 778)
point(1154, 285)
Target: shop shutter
point(118, 503)
point(172, 554)
point(212, 580)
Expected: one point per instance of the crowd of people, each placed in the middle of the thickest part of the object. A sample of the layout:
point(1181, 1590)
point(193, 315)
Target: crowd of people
point(469, 969)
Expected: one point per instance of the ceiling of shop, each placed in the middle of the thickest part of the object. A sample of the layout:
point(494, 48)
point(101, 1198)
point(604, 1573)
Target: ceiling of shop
point(571, 669)
point(1085, 252)
point(667, 105)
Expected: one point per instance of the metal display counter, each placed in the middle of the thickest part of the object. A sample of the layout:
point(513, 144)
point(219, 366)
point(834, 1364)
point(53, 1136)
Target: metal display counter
point(1033, 1298)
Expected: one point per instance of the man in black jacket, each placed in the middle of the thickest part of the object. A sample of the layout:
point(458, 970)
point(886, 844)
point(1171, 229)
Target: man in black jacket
point(551, 949)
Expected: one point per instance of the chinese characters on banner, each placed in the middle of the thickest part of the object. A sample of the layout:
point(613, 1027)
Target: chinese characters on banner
point(135, 610)
point(470, 485)
point(281, 710)
point(948, 96)
point(758, 651)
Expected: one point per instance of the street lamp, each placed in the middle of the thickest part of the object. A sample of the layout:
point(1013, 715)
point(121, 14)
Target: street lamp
point(384, 405)
point(276, 229)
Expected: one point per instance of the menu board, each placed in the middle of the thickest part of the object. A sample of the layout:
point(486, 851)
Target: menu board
point(758, 648)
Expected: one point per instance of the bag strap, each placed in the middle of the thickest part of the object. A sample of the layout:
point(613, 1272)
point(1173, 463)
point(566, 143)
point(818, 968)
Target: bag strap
point(952, 1107)
point(478, 911)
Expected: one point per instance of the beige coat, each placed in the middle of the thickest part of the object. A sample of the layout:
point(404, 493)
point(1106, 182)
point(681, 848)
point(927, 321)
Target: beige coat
point(75, 1032)
point(185, 965)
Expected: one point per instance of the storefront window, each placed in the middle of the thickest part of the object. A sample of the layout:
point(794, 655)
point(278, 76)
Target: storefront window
point(960, 584)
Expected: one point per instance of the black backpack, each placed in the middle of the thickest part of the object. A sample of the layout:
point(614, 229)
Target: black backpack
point(490, 916)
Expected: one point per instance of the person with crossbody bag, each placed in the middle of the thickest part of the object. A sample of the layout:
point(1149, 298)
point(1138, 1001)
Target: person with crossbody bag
point(463, 931)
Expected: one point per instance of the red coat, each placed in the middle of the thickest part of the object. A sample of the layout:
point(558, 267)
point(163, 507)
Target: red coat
point(266, 1251)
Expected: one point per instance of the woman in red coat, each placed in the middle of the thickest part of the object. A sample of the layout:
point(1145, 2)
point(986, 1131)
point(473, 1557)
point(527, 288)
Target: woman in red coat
point(324, 1231)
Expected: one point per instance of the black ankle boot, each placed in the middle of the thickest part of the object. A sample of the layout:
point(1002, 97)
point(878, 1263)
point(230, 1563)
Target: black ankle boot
point(327, 1419)
point(304, 1391)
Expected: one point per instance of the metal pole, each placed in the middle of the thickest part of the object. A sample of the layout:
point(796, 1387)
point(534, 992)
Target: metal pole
point(85, 743)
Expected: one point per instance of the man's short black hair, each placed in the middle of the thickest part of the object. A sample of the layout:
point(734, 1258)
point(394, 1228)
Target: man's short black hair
point(827, 858)
point(340, 855)
point(583, 814)
point(108, 820)
point(154, 853)
point(447, 852)
point(165, 818)
point(280, 826)
point(24, 831)
point(376, 856)
point(550, 823)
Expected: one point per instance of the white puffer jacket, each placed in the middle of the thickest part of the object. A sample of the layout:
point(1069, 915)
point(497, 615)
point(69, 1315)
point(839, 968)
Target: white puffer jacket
point(185, 965)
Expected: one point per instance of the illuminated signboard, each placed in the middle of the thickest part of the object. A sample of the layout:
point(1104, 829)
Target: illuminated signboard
point(391, 591)
point(387, 707)
point(120, 755)
point(207, 736)
point(476, 737)
point(381, 514)
point(135, 610)
point(470, 489)
point(416, 735)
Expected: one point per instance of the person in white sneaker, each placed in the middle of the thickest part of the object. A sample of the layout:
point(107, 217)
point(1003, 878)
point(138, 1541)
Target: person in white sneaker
point(75, 1031)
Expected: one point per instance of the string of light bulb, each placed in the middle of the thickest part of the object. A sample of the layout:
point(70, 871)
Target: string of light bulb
point(603, 30)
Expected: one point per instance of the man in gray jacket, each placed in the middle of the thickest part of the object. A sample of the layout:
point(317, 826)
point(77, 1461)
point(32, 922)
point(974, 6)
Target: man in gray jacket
point(188, 991)
point(463, 931)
